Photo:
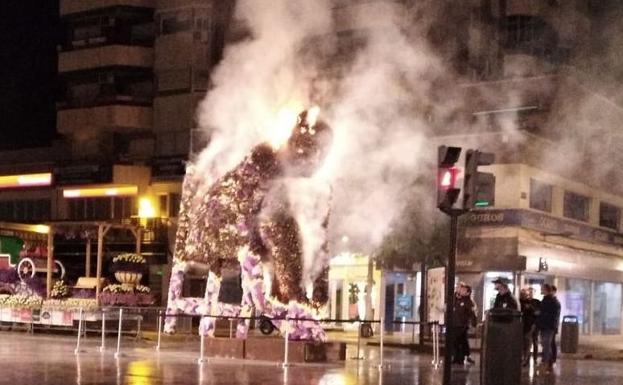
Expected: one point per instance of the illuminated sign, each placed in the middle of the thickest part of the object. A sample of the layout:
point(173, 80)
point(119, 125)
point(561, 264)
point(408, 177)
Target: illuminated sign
point(110, 191)
point(26, 180)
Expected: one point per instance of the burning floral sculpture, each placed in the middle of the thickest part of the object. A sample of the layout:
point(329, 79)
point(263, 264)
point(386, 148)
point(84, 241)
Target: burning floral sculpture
point(244, 219)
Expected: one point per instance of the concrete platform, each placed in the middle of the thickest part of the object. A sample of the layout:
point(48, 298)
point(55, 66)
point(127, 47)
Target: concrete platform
point(273, 349)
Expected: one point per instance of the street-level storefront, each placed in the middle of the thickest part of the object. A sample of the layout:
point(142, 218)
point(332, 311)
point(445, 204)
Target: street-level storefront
point(395, 295)
point(530, 249)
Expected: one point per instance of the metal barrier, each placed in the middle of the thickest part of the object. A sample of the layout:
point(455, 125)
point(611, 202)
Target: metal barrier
point(161, 314)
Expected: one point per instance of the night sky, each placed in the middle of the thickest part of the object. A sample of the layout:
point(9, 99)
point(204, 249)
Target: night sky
point(28, 62)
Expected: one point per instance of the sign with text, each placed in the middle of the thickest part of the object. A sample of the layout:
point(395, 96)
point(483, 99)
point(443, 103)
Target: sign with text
point(544, 223)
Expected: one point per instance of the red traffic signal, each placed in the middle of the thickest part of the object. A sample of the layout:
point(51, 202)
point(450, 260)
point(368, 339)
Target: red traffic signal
point(447, 174)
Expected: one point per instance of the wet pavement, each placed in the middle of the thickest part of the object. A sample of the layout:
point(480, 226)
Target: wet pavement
point(50, 359)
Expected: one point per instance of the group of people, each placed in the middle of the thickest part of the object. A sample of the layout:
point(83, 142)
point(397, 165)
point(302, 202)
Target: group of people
point(540, 319)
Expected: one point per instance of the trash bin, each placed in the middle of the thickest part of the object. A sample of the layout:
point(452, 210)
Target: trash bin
point(502, 340)
point(569, 334)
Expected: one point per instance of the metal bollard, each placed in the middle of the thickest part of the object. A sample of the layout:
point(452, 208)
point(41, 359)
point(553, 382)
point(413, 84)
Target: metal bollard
point(103, 344)
point(159, 328)
point(413, 333)
point(77, 349)
point(382, 340)
point(287, 339)
point(118, 353)
point(230, 328)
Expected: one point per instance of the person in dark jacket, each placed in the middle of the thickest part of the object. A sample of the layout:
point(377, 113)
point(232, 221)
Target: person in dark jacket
point(547, 322)
point(504, 299)
point(529, 308)
point(464, 316)
point(554, 346)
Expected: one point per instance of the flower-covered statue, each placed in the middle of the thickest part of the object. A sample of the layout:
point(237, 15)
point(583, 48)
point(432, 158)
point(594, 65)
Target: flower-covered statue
point(245, 220)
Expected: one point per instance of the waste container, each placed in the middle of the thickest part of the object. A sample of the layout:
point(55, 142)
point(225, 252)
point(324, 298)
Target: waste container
point(502, 339)
point(569, 334)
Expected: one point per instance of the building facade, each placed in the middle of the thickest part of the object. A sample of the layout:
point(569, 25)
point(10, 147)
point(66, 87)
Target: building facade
point(131, 73)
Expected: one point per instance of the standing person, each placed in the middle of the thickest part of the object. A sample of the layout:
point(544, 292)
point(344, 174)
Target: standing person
point(474, 322)
point(504, 299)
point(464, 316)
point(554, 346)
point(547, 322)
point(529, 309)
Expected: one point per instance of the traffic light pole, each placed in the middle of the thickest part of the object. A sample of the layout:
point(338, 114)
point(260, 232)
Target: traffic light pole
point(450, 278)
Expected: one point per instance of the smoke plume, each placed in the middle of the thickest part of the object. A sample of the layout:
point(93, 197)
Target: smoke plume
point(379, 107)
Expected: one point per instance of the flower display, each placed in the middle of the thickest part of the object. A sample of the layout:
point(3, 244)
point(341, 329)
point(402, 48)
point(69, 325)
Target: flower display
point(20, 301)
point(123, 295)
point(128, 262)
point(59, 290)
point(87, 304)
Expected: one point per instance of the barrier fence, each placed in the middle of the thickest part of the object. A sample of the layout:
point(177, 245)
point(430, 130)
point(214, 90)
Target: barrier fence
point(137, 315)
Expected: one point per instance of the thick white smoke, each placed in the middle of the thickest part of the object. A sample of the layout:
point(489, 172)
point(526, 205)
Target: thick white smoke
point(258, 78)
point(377, 111)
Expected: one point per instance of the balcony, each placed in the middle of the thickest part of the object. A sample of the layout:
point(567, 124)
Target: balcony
point(132, 118)
point(76, 6)
point(105, 56)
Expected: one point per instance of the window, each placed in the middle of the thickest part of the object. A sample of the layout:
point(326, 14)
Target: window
point(576, 206)
point(175, 21)
point(533, 36)
point(607, 308)
point(114, 25)
point(174, 205)
point(26, 211)
point(609, 216)
point(540, 196)
point(105, 86)
point(105, 208)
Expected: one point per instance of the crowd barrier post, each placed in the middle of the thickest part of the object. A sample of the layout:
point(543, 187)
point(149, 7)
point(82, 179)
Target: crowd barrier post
point(202, 358)
point(103, 343)
point(118, 352)
point(382, 329)
point(77, 349)
point(159, 329)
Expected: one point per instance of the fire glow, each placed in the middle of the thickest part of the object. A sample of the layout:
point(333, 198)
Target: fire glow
point(26, 180)
point(280, 129)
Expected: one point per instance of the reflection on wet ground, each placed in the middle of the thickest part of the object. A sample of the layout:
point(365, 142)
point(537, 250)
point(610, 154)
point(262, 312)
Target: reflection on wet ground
point(47, 359)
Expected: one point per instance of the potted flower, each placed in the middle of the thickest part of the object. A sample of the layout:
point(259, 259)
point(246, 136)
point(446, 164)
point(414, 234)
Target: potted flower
point(128, 268)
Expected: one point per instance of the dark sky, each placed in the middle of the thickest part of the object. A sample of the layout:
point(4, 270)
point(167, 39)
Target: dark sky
point(28, 62)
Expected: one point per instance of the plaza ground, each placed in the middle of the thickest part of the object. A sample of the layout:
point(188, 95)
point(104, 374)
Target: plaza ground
point(50, 359)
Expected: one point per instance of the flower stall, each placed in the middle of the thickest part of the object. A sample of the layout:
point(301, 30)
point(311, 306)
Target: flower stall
point(48, 300)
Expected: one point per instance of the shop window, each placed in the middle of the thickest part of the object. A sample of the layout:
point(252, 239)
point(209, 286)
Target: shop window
point(576, 206)
point(609, 216)
point(575, 300)
point(607, 308)
point(540, 196)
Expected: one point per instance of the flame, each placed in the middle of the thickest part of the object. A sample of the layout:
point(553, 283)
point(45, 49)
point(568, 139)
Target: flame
point(312, 116)
point(280, 129)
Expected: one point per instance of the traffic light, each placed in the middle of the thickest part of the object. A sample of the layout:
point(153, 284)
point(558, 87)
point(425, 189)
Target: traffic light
point(478, 187)
point(447, 174)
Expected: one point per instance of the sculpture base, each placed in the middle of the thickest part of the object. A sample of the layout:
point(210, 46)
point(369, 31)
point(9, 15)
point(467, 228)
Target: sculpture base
point(273, 349)
point(224, 348)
